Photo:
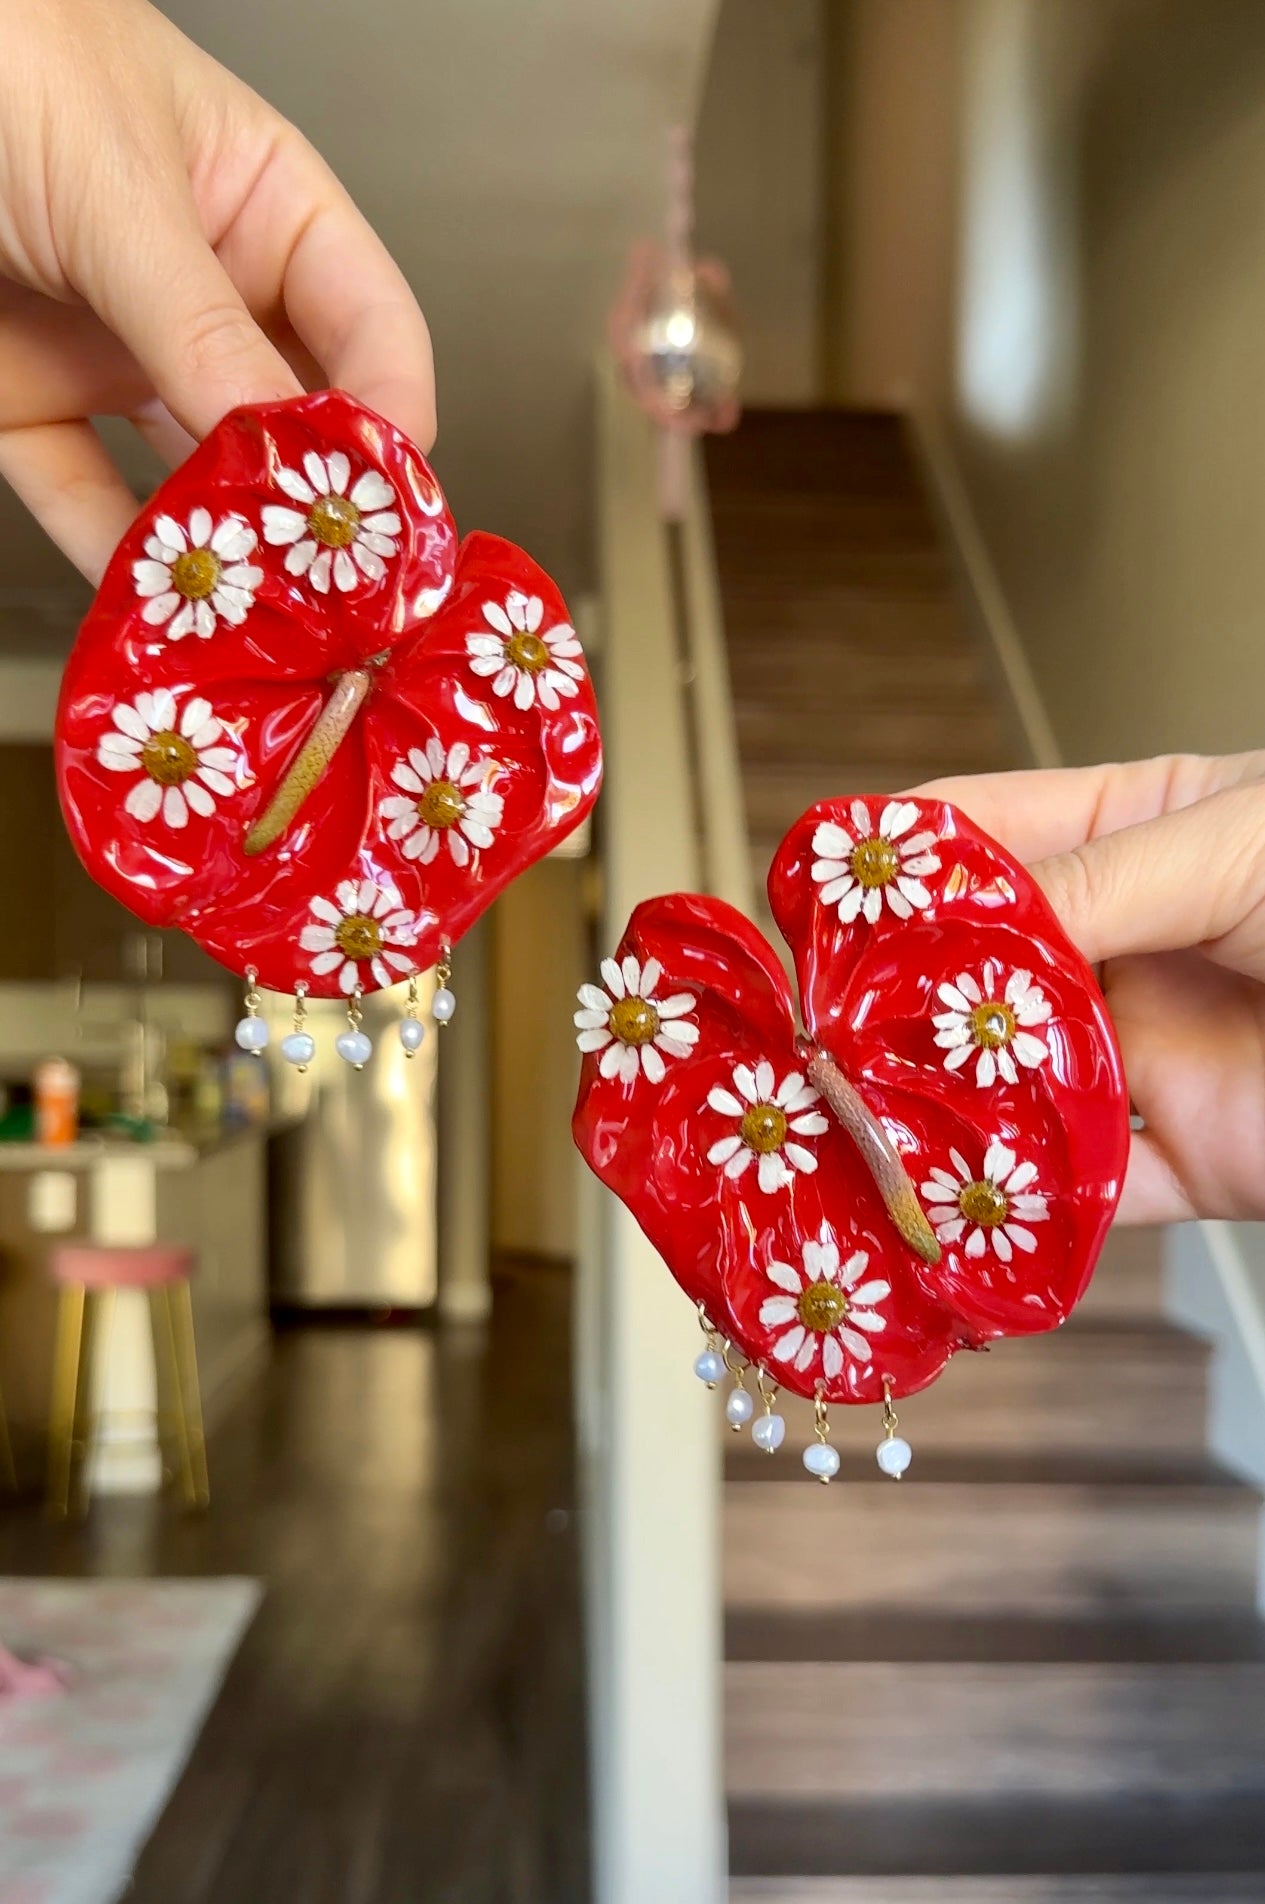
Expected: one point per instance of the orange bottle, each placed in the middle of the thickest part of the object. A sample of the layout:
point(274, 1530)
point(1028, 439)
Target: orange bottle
point(55, 1087)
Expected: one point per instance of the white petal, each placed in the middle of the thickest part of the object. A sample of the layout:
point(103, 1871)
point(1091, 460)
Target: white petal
point(724, 1149)
point(872, 904)
point(651, 973)
point(998, 1162)
point(233, 539)
point(856, 1345)
point(200, 529)
point(496, 617)
point(786, 1346)
point(1020, 1179)
point(319, 573)
point(955, 999)
point(282, 525)
point(316, 939)
point(951, 1230)
point(678, 1039)
point(811, 1124)
point(613, 974)
point(181, 624)
point(327, 962)
point(897, 817)
point(171, 534)
point(860, 818)
point(975, 1243)
point(594, 998)
point(772, 1172)
point(677, 1005)
point(322, 908)
point(218, 782)
point(344, 572)
point(919, 865)
point(594, 1039)
point(317, 473)
point(197, 714)
point(199, 799)
point(865, 1295)
point(831, 1358)
point(372, 492)
point(611, 1060)
point(724, 1101)
point(969, 989)
point(151, 578)
point(897, 901)
point(764, 1080)
point(785, 1276)
point(1021, 1238)
point(960, 1165)
point(739, 1162)
point(652, 1064)
point(339, 470)
point(300, 558)
point(1001, 1243)
point(161, 710)
point(144, 799)
point(368, 560)
point(629, 1063)
point(802, 1159)
point(160, 609)
point(385, 523)
point(175, 808)
point(831, 842)
point(777, 1310)
point(986, 1069)
point(1006, 1066)
point(1029, 1050)
point(744, 1078)
point(589, 1020)
point(293, 485)
point(808, 1353)
point(911, 890)
point(850, 905)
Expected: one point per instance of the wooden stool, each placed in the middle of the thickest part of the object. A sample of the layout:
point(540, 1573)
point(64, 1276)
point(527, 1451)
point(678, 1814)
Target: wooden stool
point(88, 1274)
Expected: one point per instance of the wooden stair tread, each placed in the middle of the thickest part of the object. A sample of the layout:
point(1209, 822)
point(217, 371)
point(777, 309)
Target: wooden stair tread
point(882, 1732)
point(1200, 1887)
point(1143, 1634)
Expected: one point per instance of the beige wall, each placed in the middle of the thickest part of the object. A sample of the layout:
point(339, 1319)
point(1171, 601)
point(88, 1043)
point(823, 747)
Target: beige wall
point(1060, 251)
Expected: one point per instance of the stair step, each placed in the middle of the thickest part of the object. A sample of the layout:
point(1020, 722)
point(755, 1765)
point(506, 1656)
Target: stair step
point(955, 1768)
point(1246, 1887)
point(1222, 1635)
point(935, 1545)
point(1128, 1283)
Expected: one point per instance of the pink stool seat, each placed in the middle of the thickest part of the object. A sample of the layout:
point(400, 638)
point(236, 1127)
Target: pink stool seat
point(102, 1266)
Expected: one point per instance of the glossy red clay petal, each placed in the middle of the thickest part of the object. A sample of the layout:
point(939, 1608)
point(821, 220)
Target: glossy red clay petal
point(303, 546)
point(1018, 1164)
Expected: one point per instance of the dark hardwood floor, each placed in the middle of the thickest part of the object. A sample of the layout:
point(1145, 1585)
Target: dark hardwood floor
point(404, 1721)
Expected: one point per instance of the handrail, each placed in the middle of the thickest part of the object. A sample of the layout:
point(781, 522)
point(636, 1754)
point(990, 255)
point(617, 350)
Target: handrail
point(650, 1452)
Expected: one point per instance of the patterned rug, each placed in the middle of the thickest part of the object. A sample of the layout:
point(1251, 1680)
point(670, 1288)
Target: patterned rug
point(84, 1774)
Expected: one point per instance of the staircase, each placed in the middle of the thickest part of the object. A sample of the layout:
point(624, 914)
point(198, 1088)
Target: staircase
point(1033, 1672)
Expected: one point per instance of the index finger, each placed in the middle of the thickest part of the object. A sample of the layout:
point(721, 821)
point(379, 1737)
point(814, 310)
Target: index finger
point(1043, 811)
point(300, 236)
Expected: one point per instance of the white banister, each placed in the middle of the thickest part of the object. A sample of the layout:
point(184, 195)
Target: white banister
point(650, 1448)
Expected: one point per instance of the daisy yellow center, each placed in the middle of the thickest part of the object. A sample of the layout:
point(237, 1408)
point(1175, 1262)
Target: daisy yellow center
point(527, 652)
point(358, 936)
point(763, 1128)
point(634, 1021)
point(334, 521)
point(441, 805)
point(983, 1203)
point(992, 1024)
point(822, 1307)
point(874, 862)
point(169, 759)
point(195, 574)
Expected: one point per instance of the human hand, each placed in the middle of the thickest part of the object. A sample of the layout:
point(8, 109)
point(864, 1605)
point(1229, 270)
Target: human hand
point(169, 247)
point(1156, 871)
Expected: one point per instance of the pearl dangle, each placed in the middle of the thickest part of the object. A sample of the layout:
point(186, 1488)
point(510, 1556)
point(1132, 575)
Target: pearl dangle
point(709, 1364)
point(739, 1405)
point(251, 1032)
point(353, 1044)
point(820, 1458)
point(443, 1004)
point(412, 1030)
point(893, 1453)
point(298, 1047)
point(768, 1431)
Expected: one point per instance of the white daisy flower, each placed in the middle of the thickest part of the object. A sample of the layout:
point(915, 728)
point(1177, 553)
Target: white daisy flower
point(994, 1208)
point(446, 796)
point(336, 534)
point(992, 1020)
point(630, 1026)
point(174, 752)
point(824, 1309)
point(364, 924)
point(191, 577)
point(768, 1122)
point(526, 663)
point(857, 870)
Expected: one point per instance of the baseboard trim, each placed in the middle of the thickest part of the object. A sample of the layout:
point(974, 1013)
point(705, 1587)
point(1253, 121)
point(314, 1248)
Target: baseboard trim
point(982, 588)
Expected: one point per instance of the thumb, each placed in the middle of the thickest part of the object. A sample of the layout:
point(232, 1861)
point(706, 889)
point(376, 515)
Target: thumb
point(1193, 878)
point(177, 310)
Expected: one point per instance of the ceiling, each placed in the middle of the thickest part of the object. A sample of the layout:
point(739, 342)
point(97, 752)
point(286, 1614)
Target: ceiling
point(507, 151)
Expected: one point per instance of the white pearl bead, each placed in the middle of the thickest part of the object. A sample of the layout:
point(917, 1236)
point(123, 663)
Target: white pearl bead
point(710, 1367)
point(251, 1034)
point(412, 1031)
point(822, 1460)
point(443, 1004)
point(298, 1047)
point(739, 1408)
point(894, 1456)
point(769, 1432)
point(355, 1046)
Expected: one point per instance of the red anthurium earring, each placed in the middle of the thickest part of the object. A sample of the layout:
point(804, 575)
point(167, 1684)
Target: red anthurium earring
point(932, 1166)
point(306, 726)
